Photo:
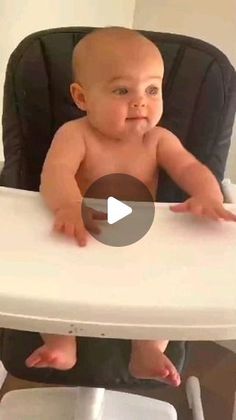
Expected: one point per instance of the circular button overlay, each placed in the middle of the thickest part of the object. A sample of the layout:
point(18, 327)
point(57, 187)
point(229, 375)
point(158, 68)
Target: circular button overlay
point(123, 209)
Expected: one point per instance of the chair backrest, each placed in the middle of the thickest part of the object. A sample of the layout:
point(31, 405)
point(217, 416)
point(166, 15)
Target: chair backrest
point(199, 102)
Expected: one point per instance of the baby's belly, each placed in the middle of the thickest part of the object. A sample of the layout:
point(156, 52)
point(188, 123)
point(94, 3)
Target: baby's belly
point(123, 187)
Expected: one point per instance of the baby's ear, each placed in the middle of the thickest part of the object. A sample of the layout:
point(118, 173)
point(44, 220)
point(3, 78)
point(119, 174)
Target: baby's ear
point(77, 94)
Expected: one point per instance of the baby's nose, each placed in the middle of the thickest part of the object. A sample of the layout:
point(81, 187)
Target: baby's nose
point(138, 103)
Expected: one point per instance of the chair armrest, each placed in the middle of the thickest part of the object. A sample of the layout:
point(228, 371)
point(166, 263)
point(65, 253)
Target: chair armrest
point(229, 191)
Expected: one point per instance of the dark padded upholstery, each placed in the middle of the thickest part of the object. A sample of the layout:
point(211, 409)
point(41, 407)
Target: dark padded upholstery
point(199, 107)
point(102, 362)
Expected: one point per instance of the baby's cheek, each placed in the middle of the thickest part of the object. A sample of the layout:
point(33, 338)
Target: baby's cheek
point(115, 114)
point(157, 112)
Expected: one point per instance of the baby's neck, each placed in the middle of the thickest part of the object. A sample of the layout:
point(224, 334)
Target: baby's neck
point(119, 140)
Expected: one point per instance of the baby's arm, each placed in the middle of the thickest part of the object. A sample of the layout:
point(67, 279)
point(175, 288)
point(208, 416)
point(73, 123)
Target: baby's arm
point(192, 176)
point(58, 184)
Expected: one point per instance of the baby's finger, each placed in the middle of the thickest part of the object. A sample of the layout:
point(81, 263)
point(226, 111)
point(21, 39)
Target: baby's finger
point(232, 216)
point(211, 214)
point(81, 235)
point(99, 215)
point(92, 226)
point(89, 221)
point(226, 215)
point(69, 229)
point(58, 226)
point(179, 208)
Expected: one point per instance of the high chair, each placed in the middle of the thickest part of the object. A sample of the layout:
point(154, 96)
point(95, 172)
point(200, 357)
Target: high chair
point(199, 107)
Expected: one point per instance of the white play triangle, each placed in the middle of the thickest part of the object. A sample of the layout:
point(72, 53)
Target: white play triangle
point(116, 210)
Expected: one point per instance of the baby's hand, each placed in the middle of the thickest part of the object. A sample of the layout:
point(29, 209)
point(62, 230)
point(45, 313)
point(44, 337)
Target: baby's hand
point(204, 206)
point(68, 220)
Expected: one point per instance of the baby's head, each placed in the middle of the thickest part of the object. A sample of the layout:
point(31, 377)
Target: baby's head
point(118, 81)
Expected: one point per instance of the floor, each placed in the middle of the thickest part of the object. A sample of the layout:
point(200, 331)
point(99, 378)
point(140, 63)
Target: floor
point(215, 367)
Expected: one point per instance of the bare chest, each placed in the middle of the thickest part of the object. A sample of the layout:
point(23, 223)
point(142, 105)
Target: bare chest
point(137, 160)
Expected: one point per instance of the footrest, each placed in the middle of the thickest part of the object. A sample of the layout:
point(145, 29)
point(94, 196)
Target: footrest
point(81, 403)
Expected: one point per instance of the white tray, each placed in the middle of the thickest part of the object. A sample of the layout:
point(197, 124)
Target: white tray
point(178, 282)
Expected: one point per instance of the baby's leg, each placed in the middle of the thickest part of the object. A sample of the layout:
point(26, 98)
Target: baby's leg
point(148, 361)
point(58, 352)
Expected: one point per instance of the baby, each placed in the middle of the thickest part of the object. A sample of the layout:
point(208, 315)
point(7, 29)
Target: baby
point(118, 76)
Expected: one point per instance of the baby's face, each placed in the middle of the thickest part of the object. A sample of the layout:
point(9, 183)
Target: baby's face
point(123, 95)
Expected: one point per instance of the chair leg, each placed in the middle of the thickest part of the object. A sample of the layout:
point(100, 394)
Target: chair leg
point(193, 392)
point(3, 374)
point(234, 409)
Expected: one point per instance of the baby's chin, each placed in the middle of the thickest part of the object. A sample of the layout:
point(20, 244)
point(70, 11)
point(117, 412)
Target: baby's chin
point(127, 130)
point(140, 126)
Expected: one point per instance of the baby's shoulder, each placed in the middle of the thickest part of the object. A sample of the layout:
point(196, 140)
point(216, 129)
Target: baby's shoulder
point(160, 133)
point(70, 128)
point(156, 135)
point(69, 137)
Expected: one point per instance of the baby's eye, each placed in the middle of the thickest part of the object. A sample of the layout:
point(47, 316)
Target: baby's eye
point(152, 90)
point(120, 91)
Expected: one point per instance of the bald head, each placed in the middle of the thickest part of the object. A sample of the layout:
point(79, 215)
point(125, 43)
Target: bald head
point(108, 50)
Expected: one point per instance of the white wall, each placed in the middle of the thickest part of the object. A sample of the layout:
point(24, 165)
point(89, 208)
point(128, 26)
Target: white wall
point(212, 21)
point(19, 18)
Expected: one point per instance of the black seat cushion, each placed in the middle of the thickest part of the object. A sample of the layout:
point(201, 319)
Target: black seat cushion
point(101, 362)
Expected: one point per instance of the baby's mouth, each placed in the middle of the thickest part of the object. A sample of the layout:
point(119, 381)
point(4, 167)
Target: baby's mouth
point(136, 118)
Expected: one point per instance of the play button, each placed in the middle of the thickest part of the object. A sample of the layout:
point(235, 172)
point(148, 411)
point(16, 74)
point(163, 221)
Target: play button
point(116, 210)
point(128, 207)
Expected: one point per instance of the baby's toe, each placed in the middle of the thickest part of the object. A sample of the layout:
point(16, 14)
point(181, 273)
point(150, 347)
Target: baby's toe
point(41, 365)
point(32, 361)
point(163, 373)
point(175, 379)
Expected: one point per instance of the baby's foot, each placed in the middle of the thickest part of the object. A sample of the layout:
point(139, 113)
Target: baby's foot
point(59, 354)
point(148, 362)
